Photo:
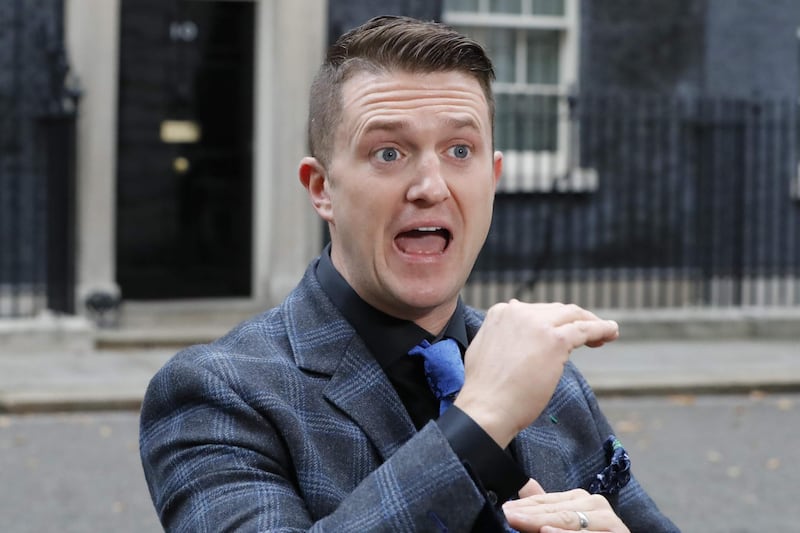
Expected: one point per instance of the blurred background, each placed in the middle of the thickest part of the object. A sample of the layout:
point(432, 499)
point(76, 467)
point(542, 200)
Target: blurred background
point(149, 200)
point(148, 152)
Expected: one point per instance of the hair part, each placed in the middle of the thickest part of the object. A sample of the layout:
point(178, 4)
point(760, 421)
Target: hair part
point(385, 44)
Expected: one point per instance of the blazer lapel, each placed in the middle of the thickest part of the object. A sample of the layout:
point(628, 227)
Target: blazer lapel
point(360, 388)
point(325, 343)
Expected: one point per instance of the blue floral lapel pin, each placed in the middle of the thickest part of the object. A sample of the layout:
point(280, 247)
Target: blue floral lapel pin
point(618, 472)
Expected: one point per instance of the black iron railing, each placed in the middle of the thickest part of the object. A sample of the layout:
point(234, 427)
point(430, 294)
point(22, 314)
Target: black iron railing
point(652, 202)
point(37, 151)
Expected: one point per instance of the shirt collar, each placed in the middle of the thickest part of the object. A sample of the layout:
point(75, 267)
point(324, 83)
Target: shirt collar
point(387, 337)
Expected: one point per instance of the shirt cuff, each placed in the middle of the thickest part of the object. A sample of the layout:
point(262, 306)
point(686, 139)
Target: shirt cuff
point(496, 470)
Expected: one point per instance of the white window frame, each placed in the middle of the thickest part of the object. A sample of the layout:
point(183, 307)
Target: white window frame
point(528, 170)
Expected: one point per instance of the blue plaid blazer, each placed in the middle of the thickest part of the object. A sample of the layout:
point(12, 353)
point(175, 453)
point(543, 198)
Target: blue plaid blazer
point(288, 423)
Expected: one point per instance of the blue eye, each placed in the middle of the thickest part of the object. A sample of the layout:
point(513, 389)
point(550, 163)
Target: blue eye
point(460, 151)
point(388, 154)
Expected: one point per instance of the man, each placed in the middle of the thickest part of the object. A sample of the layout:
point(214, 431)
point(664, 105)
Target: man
point(318, 414)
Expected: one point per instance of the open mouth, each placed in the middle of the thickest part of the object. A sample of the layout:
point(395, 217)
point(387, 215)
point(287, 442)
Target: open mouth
point(424, 241)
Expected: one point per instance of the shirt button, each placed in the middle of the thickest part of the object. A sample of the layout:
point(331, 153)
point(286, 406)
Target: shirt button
point(492, 497)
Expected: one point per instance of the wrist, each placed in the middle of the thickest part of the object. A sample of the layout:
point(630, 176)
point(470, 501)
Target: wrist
point(495, 422)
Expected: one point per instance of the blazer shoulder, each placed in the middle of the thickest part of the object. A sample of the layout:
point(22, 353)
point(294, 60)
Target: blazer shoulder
point(305, 330)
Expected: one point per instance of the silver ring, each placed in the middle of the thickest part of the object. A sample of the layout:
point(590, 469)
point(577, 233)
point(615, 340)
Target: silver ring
point(582, 520)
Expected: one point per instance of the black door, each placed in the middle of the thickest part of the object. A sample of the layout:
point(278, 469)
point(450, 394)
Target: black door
point(185, 149)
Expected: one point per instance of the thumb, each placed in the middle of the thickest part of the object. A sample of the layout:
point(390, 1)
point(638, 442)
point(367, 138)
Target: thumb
point(531, 488)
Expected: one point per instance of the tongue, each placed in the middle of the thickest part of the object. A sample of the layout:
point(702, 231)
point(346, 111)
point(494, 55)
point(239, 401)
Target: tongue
point(422, 242)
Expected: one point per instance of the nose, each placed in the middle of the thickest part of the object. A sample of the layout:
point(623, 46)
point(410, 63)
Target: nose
point(429, 185)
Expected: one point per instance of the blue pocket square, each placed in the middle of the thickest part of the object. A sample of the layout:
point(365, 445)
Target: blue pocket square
point(618, 472)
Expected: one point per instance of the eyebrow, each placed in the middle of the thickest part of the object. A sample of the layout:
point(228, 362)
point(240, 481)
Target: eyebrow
point(385, 125)
point(462, 122)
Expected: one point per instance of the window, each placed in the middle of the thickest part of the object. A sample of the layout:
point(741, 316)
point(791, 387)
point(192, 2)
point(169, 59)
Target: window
point(533, 44)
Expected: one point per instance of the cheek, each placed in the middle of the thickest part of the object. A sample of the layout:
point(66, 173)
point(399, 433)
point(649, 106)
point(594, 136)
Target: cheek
point(479, 219)
point(360, 215)
point(480, 203)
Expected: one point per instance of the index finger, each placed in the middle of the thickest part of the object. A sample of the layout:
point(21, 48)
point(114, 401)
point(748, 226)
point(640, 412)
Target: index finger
point(566, 313)
point(531, 488)
point(589, 332)
point(549, 498)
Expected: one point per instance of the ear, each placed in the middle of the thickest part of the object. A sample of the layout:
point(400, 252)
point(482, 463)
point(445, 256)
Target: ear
point(497, 167)
point(312, 176)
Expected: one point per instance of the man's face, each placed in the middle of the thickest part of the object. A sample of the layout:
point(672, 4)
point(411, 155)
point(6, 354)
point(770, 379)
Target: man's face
point(410, 187)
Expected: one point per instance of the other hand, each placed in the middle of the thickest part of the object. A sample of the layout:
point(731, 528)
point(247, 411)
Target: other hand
point(560, 512)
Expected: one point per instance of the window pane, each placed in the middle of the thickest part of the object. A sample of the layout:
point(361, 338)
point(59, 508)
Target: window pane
point(503, 52)
point(479, 34)
point(548, 7)
point(542, 64)
point(526, 122)
point(505, 6)
point(499, 43)
point(461, 5)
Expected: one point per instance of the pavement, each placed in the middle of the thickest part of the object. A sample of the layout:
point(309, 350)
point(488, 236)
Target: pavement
point(113, 374)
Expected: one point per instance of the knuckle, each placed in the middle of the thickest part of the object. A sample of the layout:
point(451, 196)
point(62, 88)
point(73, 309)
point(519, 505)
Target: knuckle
point(495, 312)
point(515, 304)
point(496, 309)
point(559, 336)
point(597, 500)
point(573, 308)
point(567, 518)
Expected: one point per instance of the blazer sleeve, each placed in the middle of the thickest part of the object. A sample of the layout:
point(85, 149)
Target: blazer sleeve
point(214, 463)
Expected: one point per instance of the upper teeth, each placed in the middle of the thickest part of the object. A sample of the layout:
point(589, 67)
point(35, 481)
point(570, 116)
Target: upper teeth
point(430, 228)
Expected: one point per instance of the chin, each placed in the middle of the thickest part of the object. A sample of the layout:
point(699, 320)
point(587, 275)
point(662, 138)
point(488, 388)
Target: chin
point(425, 300)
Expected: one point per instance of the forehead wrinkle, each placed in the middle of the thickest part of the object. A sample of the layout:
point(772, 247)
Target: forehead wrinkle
point(374, 115)
point(414, 98)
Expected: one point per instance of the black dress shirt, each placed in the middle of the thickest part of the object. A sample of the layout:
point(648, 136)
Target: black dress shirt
point(390, 339)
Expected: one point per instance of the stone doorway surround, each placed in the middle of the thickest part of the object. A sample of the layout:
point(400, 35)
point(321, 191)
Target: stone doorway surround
point(290, 41)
